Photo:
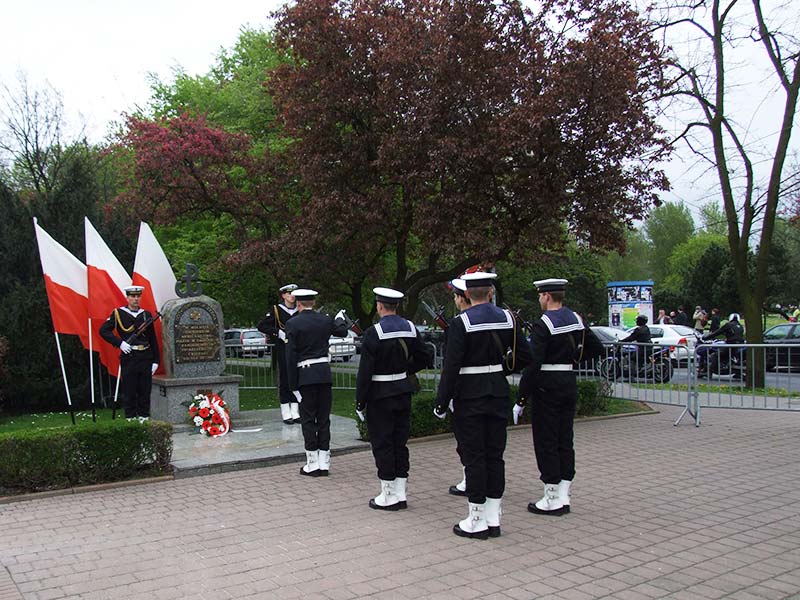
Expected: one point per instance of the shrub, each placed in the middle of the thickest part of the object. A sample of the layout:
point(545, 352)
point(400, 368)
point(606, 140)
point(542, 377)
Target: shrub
point(592, 400)
point(83, 454)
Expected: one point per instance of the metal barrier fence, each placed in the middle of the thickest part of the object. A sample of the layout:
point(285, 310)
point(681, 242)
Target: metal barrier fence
point(260, 373)
point(708, 375)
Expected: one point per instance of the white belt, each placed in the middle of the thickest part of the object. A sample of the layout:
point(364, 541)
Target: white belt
point(313, 361)
point(392, 377)
point(562, 367)
point(480, 370)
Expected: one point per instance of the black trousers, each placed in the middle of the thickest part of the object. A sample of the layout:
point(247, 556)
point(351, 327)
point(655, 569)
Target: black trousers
point(552, 416)
point(389, 423)
point(315, 415)
point(135, 383)
point(284, 393)
point(481, 442)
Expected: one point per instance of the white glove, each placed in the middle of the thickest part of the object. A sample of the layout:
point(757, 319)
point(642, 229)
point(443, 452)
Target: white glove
point(154, 368)
point(298, 396)
point(518, 410)
point(450, 406)
point(439, 415)
point(125, 347)
point(340, 315)
point(360, 414)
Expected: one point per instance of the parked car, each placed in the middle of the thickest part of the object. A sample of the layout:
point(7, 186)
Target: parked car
point(679, 338)
point(343, 349)
point(786, 354)
point(245, 342)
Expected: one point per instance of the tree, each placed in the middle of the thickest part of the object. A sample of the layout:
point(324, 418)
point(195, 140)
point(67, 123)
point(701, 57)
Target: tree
point(667, 227)
point(59, 181)
point(713, 131)
point(713, 218)
point(631, 264)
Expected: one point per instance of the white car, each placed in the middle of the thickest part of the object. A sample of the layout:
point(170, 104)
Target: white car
point(342, 349)
point(680, 338)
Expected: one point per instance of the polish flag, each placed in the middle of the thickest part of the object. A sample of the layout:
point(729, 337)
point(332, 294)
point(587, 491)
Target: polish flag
point(106, 278)
point(65, 282)
point(152, 270)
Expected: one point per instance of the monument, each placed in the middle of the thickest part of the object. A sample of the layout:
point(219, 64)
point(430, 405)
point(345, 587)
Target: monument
point(193, 353)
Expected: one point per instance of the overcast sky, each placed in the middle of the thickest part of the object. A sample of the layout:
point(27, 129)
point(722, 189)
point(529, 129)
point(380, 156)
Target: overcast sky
point(97, 54)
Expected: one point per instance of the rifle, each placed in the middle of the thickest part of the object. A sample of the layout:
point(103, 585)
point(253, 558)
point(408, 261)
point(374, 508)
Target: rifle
point(518, 317)
point(351, 324)
point(436, 315)
point(134, 337)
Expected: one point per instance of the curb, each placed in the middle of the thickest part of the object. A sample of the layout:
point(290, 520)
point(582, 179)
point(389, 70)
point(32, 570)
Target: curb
point(85, 488)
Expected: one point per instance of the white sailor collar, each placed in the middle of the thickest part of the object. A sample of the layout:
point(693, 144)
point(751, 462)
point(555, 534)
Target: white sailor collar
point(130, 312)
point(392, 326)
point(562, 320)
point(486, 317)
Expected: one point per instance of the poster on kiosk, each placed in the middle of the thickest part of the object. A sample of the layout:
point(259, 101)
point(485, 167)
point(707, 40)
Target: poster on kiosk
point(627, 300)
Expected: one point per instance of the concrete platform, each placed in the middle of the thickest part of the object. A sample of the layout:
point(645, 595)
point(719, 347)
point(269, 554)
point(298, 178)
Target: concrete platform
point(260, 440)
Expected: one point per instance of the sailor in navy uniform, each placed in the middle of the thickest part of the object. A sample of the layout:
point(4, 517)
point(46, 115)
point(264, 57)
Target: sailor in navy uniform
point(459, 287)
point(309, 377)
point(550, 383)
point(274, 325)
point(484, 344)
point(391, 350)
point(138, 357)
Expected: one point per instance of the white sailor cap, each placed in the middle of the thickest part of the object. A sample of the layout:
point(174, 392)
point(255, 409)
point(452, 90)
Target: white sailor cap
point(289, 287)
point(551, 285)
point(479, 279)
point(387, 295)
point(133, 290)
point(459, 286)
point(303, 294)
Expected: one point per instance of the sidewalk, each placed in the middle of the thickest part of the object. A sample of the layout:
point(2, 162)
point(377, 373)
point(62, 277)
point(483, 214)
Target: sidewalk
point(658, 512)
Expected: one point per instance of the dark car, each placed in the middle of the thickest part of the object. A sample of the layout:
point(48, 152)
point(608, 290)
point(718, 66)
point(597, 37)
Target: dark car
point(786, 338)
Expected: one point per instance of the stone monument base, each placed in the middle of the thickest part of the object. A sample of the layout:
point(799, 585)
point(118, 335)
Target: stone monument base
point(167, 394)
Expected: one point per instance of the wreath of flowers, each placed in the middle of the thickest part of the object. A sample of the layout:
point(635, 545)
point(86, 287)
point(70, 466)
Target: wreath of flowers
point(210, 414)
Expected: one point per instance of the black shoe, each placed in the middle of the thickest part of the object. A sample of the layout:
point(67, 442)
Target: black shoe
point(566, 509)
point(314, 473)
point(392, 507)
point(551, 513)
point(287, 421)
point(493, 531)
point(322, 472)
point(456, 492)
point(403, 504)
point(295, 421)
point(478, 535)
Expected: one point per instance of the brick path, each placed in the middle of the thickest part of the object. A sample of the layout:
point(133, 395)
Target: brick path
point(658, 512)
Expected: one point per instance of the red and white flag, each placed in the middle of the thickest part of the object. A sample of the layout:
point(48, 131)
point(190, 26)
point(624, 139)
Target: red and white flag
point(106, 278)
point(65, 282)
point(152, 270)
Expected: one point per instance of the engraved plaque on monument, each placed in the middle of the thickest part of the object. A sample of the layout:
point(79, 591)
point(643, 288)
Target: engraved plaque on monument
point(193, 357)
point(193, 337)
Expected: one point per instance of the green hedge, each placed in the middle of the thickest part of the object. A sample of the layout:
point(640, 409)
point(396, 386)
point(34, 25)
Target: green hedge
point(63, 457)
point(593, 398)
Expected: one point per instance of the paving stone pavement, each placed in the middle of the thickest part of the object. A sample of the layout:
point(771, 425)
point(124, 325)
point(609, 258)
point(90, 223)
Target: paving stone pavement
point(658, 512)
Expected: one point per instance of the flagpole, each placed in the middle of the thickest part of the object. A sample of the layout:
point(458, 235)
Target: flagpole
point(64, 375)
point(91, 370)
point(116, 393)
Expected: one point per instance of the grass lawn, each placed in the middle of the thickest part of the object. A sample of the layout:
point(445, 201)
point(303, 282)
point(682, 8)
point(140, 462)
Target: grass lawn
point(50, 420)
point(618, 406)
point(344, 401)
point(721, 389)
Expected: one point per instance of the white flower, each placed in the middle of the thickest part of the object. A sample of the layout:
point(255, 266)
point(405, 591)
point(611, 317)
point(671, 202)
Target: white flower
point(205, 404)
point(198, 421)
point(199, 397)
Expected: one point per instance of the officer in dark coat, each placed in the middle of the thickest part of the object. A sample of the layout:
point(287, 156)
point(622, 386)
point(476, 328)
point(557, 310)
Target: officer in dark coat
point(550, 383)
point(274, 325)
point(484, 344)
point(309, 376)
point(139, 355)
point(391, 350)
